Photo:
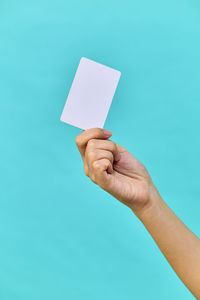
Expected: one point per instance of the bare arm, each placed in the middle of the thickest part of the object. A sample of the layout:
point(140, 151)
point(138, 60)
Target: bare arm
point(119, 173)
point(178, 244)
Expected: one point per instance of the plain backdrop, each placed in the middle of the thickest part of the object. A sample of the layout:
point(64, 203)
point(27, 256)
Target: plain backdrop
point(61, 236)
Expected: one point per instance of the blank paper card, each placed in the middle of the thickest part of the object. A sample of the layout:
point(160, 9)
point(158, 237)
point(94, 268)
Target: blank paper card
point(90, 95)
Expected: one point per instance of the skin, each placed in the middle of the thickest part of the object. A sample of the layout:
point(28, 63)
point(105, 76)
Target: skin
point(119, 173)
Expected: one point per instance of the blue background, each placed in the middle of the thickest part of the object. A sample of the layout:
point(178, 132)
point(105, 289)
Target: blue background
point(61, 236)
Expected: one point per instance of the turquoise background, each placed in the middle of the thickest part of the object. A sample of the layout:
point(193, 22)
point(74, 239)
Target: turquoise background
point(61, 236)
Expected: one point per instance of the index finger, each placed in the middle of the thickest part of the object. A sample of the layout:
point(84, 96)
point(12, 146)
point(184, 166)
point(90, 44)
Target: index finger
point(92, 133)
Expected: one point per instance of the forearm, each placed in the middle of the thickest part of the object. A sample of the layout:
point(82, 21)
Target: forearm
point(178, 244)
point(118, 172)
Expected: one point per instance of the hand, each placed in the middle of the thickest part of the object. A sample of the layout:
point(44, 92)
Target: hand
point(119, 173)
point(114, 169)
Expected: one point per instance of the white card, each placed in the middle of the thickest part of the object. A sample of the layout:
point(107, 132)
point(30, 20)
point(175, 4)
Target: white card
point(90, 95)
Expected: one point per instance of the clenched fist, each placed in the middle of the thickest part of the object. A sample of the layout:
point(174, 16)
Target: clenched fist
point(119, 173)
point(114, 169)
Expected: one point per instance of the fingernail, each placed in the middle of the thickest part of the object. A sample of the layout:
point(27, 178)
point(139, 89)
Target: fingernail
point(107, 132)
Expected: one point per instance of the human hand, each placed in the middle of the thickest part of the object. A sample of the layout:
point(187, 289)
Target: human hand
point(119, 173)
point(114, 169)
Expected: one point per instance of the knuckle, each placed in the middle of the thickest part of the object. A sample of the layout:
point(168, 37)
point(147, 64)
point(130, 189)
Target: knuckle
point(113, 147)
point(91, 155)
point(107, 163)
point(110, 157)
point(100, 166)
point(91, 143)
point(96, 165)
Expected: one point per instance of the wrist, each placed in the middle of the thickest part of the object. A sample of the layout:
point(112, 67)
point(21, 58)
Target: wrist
point(153, 200)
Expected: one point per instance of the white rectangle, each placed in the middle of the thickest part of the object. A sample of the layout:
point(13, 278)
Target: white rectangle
point(90, 95)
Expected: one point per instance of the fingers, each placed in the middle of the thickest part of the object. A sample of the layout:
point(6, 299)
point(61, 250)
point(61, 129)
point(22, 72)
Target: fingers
point(94, 146)
point(91, 156)
point(95, 156)
point(93, 133)
point(100, 170)
point(98, 154)
point(98, 161)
